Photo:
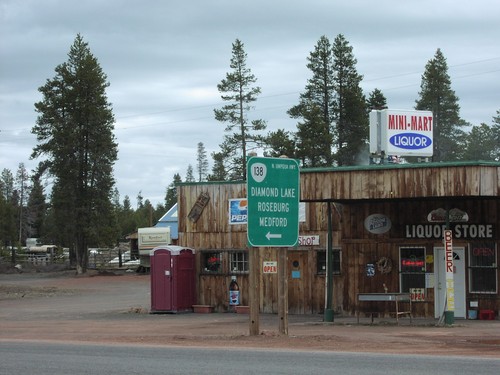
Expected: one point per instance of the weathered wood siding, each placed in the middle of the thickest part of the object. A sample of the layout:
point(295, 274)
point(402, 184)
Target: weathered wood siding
point(401, 182)
point(405, 195)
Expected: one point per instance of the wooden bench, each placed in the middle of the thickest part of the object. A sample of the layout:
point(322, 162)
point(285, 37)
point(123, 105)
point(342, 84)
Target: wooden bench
point(386, 297)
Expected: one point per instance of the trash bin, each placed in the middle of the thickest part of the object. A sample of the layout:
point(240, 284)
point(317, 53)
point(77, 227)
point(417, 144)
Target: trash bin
point(173, 278)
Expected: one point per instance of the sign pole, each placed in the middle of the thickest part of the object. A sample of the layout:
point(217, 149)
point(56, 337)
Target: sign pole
point(283, 291)
point(253, 291)
point(449, 314)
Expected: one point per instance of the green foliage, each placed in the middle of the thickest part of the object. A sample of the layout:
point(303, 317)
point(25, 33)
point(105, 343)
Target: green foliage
point(351, 117)
point(171, 194)
point(190, 174)
point(314, 140)
point(239, 92)
point(317, 103)
point(280, 143)
point(219, 172)
point(482, 144)
point(437, 96)
point(74, 130)
point(376, 100)
point(332, 107)
point(201, 162)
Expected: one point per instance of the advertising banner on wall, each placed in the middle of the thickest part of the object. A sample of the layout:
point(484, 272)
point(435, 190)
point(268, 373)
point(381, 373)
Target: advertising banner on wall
point(238, 211)
point(401, 132)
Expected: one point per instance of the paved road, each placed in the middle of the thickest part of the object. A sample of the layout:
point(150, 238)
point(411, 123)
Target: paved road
point(114, 309)
point(55, 359)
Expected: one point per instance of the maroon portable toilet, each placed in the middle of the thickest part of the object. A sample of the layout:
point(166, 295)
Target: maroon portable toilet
point(173, 277)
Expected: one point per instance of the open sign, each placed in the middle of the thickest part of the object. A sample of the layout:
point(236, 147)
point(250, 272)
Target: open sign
point(270, 267)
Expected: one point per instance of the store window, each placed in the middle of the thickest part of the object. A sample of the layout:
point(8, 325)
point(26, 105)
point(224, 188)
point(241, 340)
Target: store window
point(412, 268)
point(483, 268)
point(211, 261)
point(238, 262)
point(321, 261)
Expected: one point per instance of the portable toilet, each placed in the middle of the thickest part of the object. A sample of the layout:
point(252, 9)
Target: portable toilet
point(173, 279)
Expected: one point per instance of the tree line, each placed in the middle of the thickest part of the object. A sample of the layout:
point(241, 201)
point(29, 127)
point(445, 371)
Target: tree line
point(75, 139)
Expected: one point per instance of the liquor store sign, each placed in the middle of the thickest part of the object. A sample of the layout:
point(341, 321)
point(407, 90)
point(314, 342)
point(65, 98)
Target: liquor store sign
point(402, 132)
point(273, 202)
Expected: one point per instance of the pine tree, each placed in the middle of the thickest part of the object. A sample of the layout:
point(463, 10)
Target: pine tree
point(219, 172)
point(201, 162)
point(376, 101)
point(36, 208)
point(280, 143)
point(8, 208)
point(238, 91)
point(496, 136)
point(23, 192)
point(480, 144)
point(351, 117)
point(437, 96)
point(313, 138)
point(319, 93)
point(171, 194)
point(74, 130)
point(190, 174)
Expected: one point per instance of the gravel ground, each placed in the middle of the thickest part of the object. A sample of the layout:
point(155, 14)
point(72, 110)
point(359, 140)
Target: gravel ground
point(113, 308)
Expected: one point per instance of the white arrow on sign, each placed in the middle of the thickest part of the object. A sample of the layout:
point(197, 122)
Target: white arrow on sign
point(269, 235)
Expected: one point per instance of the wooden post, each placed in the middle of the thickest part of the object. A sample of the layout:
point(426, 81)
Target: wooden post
point(254, 291)
point(283, 291)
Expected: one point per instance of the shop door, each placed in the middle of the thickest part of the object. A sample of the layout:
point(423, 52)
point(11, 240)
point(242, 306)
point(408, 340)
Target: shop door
point(298, 283)
point(440, 281)
point(161, 278)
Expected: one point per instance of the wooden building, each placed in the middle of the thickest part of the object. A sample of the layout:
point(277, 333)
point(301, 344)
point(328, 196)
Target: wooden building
point(386, 225)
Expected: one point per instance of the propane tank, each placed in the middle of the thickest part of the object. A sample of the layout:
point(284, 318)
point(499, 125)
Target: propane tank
point(234, 292)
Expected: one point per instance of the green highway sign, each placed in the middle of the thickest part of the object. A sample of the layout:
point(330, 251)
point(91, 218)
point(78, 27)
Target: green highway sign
point(273, 202)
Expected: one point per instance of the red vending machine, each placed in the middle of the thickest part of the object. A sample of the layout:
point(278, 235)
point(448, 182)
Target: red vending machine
point(173, 277)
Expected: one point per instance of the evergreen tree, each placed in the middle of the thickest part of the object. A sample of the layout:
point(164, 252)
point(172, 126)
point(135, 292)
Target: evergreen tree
point(496, 136)
point(313, 138)
point(280, 143)
point(319, 93)
point(481, 144)
point(189, 174)
point(126, 217)
point(140, 200)
point(376, 101)
point(238, 91)
point(171, 195)
point(437, 96)
point(9, 206)
point(351, 116)
point(36, 208)
point(74, 130)
point(219, 172)
point(23, 191)
point(201, 162)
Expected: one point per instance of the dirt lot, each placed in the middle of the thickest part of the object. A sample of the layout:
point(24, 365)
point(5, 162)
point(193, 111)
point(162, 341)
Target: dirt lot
point(114, 308)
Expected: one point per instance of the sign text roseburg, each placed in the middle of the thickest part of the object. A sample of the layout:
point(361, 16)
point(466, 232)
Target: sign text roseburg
point(273, 202)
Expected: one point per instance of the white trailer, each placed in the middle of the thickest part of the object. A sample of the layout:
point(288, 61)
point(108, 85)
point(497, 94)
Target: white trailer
point(148, 239)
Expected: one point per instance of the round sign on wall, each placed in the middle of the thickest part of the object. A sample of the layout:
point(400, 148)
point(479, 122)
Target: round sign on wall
point(377, 224)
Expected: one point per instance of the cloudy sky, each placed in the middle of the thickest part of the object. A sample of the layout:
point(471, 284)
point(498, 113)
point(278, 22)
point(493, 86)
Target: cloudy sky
point(164, 60)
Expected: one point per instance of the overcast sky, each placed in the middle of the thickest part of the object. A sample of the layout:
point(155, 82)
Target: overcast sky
point(164, 60)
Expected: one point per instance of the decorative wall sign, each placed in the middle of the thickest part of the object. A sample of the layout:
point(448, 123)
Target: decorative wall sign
point(238, 209)
point(370, 270)
point(377, 224)
point(455, 216)
point(198, 207)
